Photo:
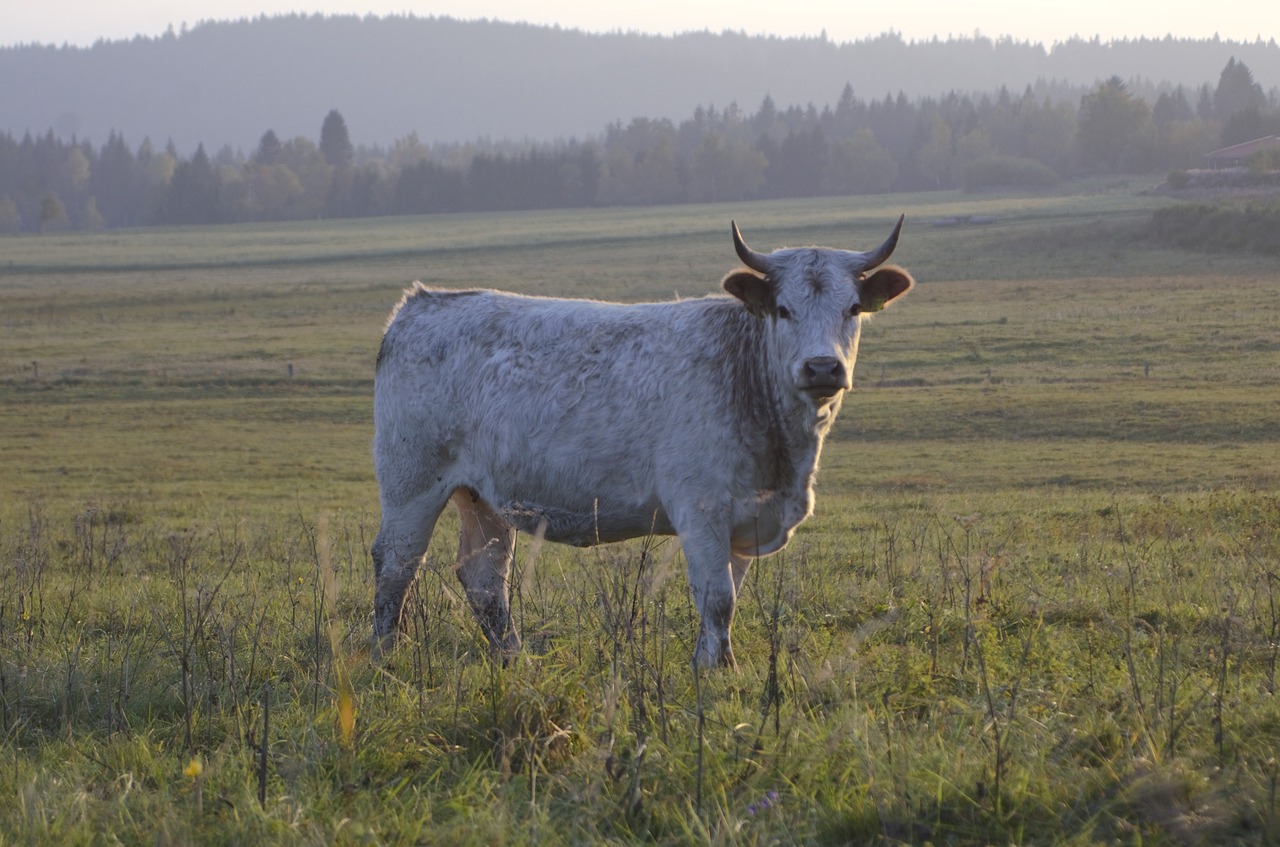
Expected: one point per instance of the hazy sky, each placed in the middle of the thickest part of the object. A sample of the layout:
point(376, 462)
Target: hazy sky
point(84, 21)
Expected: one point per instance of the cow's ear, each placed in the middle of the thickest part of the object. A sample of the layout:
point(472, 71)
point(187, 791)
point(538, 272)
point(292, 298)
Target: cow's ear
point(753, 290)
point(886, 284)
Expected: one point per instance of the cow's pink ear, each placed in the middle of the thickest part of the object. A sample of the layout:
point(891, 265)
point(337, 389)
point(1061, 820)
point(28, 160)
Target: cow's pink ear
point(753, 290)
point(886, 284)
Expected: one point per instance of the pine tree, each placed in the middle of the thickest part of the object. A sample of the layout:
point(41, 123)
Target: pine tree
point(335, 143)
point(193, 192)
point(268, 152)
point(1172, 106)
point(115, 184)
point(1237, 91)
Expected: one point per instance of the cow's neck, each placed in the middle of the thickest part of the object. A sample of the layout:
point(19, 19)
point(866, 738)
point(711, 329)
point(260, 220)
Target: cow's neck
point(793, 435)
point(804, 431)
point(794, 429)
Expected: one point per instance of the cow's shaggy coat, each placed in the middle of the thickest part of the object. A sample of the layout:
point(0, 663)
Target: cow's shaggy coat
point(591, 422)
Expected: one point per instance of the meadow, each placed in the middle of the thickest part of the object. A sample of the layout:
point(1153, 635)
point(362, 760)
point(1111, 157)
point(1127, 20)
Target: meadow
point(1039, 601)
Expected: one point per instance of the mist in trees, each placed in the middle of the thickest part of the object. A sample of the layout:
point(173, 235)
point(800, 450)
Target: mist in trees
point(859, 146)
point(224, 82)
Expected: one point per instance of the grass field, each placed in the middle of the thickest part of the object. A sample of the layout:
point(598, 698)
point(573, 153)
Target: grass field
point(1039, 601)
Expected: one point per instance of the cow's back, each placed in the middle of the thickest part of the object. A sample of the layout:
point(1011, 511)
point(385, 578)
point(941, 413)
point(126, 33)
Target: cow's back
point(480, 347)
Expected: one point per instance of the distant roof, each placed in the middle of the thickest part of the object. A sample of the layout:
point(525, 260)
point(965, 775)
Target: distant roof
point(1243, 151)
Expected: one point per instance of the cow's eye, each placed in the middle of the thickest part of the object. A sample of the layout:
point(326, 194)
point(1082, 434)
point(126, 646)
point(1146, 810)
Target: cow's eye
point(854, 310)
point(784, 313)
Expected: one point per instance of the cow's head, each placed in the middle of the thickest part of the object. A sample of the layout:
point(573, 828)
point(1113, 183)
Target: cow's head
point(812, 300)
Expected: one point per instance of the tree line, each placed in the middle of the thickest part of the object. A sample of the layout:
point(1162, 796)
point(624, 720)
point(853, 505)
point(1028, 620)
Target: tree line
point(857, 146)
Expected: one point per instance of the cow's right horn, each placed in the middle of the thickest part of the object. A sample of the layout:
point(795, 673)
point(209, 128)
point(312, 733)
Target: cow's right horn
point(758, 262)
point(881, 254)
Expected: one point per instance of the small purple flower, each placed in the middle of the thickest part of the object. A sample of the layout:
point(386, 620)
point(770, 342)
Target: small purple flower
point(763, 803)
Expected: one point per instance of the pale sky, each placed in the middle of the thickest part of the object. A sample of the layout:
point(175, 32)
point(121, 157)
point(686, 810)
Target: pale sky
point(84, 21)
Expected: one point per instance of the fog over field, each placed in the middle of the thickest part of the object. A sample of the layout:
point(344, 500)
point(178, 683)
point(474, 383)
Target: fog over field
point(225, 83)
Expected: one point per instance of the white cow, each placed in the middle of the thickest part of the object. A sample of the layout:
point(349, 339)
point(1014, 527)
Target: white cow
point(593, 422)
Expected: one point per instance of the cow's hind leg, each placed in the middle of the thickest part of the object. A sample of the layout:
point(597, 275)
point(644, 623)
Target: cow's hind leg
point(486, 546)
point(401, 543)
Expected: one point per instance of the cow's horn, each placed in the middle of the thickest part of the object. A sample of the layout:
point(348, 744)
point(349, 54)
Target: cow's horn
point(758, 262)
point(881, 254)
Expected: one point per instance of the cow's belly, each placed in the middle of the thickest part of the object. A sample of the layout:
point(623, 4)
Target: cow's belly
point(760, 536)
point(585, 528)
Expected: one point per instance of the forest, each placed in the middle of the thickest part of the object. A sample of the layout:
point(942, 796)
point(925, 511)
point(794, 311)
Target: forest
point(856, 146)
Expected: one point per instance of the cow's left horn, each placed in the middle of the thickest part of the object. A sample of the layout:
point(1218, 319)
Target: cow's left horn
point(758, 262)
point(881, 254)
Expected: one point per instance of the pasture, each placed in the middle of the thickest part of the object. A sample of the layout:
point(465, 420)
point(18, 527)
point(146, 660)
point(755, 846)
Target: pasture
point(1039, 601)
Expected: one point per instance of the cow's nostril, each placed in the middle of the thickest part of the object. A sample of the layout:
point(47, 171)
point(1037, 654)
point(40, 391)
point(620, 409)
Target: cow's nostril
point(824, 368)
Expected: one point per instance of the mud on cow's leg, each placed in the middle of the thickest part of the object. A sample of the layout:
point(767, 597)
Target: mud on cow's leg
point(714, 593)
point(393, 575)
point(713, 647)
point(401, 543)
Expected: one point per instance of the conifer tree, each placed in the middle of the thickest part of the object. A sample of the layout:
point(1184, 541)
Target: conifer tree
point(335, 143)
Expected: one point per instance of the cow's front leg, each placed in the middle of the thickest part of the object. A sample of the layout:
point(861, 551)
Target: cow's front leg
point(714, 593)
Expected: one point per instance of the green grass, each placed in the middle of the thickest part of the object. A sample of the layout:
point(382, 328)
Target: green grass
point(1038, 601)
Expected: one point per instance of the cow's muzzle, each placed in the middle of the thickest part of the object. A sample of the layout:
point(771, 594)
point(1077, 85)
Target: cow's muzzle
point(823, 377)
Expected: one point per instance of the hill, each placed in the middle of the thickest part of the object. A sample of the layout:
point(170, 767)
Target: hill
point(450, 81)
